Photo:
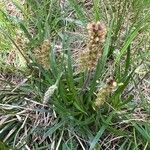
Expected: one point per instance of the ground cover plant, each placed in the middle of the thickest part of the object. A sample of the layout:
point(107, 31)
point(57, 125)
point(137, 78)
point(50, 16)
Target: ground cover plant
point(74, 74)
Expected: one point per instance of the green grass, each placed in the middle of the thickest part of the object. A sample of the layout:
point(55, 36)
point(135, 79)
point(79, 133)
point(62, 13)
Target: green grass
point(68, 120)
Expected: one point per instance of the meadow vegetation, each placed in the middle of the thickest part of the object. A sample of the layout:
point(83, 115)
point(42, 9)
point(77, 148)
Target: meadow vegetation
point(74, 74)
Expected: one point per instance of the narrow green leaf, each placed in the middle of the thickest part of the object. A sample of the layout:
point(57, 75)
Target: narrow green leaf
point(79, 10)
point(53, 129)
point(96, 9)
point(129, 99)
point(22, 26)
point(128, 41)
point(128, 60)
point(142, 131)
point(122, 147)
point(79, 107)
point(100, 133)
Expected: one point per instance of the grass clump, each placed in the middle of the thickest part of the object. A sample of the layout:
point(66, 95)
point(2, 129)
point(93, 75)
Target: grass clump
point(77, 90)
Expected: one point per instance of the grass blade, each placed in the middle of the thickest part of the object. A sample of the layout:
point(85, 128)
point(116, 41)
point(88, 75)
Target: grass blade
point(100, 133)
point(79, 11)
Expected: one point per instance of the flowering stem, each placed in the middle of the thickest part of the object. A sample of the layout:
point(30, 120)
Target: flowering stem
point(86, 82)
